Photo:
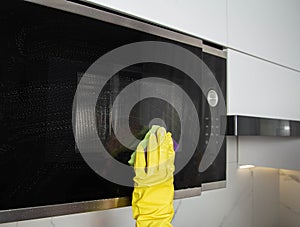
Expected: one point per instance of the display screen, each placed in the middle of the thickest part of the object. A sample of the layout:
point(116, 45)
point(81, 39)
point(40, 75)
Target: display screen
point(44, 54)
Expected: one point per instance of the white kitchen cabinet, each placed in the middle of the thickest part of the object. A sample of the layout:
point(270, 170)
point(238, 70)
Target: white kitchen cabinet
point(268, 29)
point(261, 89)
point(204, 19)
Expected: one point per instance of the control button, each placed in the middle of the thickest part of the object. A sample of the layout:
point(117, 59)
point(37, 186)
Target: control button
point(212, 98)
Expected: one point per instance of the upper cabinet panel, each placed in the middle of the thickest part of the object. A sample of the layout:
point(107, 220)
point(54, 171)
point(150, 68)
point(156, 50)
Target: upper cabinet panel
point(204, 19)
point(260, 88)
point(268, 29)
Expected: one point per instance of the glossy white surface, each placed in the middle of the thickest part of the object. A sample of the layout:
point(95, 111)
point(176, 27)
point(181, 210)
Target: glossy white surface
point(289, 198)
point(117, 217)
point(9, 225)
point(259, 88)
point(266, 197)
point(44, 222)
point(267, 29)
point(225, 207)
point(231, 149)
point(274, 152)
point(204, 19)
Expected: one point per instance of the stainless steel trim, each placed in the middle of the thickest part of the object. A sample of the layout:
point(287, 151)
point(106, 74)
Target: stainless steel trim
point(236, 125)
point(118, 20)
point(214, 51)
point(62, 209)
point(188, 192)
point(239, 125)
point(80, 207)
point(213, 185)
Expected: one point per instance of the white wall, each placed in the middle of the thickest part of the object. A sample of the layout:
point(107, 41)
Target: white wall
point(283, 153)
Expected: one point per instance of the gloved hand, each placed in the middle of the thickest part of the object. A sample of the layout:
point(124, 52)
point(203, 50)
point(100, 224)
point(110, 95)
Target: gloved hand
point(152, 199)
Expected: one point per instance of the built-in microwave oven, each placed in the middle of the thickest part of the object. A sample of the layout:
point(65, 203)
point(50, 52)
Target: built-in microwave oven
point(49, 53)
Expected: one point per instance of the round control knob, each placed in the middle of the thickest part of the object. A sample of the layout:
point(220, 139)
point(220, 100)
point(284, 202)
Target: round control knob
point(212, 98)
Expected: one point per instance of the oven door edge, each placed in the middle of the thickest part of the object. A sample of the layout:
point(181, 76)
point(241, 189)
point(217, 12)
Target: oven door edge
point(96, 205)
point(214, 185)
point(22, 214)
point(124, 21)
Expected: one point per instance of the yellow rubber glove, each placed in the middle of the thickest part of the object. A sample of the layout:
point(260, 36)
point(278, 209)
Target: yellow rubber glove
point(152, 198)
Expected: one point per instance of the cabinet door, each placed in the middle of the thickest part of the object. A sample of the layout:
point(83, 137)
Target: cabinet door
point(262, 89)
point(268, 29)
point(204, 19)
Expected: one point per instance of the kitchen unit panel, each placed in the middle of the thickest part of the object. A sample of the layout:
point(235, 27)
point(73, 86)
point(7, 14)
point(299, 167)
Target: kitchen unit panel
point(261, 89)
point(273, 152)
point(267, 29)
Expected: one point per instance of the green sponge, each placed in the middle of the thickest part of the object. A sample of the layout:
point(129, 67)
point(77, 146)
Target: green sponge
point(144, 143)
